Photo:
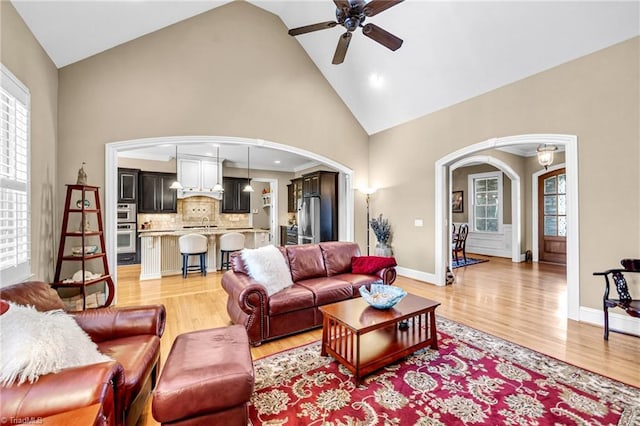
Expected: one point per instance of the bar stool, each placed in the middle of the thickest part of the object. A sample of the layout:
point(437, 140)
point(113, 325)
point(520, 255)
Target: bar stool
point(193, 245)
point(230, 242)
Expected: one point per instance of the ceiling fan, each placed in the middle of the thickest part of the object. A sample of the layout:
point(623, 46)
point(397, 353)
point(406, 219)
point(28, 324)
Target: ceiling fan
point(351, 14)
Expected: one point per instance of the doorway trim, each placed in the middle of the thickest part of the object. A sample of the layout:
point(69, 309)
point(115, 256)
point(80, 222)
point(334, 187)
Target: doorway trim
point(535, 248)
point(570, 143)
point(273, 213)
point(516, 208)
point(345, 221)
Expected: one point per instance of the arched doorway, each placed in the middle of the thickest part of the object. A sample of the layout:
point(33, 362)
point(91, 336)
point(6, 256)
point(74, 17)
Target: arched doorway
point(570, 144)
point(516, 208)
point(345, 183)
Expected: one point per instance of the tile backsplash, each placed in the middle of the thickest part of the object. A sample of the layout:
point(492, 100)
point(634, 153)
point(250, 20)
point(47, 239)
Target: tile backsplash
point(190, 211)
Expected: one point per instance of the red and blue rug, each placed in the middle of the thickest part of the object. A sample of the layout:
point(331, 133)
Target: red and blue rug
point(472, 379)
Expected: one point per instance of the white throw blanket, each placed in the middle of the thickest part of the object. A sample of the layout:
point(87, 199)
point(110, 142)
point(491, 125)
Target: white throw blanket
point(268, 266)
point(35, 343)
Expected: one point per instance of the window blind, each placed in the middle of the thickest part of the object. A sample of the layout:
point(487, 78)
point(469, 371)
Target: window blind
point(15, 241)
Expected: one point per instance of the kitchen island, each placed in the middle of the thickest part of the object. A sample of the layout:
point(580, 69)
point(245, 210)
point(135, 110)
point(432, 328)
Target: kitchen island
point(160, 255)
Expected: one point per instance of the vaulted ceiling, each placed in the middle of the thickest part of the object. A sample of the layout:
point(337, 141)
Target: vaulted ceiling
point(452, 51)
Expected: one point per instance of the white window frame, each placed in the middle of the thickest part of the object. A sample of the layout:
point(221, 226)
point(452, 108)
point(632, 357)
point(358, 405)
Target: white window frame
point(472, 200)
point(19, 271)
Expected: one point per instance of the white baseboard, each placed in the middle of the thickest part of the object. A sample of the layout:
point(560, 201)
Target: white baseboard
point(144, 277)
point(416, 275)
point(619, 322)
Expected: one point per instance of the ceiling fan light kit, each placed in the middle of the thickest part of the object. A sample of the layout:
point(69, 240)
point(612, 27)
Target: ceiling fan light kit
point(351, 14)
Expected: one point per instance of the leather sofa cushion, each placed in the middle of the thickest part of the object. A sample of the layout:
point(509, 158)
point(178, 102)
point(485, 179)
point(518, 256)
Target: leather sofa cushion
point(207, 371)
point(357, 281)
point(291, 299)
point(306, 262)
point(337, 256)
point(328, 289)
point(137, 355)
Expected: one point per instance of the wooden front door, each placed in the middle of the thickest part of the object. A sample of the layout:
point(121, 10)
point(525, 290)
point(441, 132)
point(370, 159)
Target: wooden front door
point(552, 217)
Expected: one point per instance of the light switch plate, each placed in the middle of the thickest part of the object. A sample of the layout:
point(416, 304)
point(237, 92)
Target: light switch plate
point(418, 223)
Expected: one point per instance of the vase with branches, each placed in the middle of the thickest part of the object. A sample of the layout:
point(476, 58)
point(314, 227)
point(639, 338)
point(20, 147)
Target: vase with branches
point(382, 230)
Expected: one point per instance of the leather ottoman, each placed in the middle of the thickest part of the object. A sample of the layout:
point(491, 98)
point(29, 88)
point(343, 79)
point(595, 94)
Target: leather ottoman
point(207, 379)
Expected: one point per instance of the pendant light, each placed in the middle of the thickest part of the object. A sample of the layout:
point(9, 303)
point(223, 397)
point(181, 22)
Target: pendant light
point(248, 188)
point(217, 187)
point(176, 184)
point(545, 155)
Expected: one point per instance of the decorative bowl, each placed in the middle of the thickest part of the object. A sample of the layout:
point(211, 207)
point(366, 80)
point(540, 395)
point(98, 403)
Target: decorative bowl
point(382, 296)
point(77, 251)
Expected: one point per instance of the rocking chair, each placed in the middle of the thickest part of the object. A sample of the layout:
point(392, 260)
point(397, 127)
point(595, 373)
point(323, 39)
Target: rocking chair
point(624, 301)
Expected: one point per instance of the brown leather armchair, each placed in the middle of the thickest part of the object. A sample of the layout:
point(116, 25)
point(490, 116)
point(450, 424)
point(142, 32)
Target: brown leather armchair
point(130, 336)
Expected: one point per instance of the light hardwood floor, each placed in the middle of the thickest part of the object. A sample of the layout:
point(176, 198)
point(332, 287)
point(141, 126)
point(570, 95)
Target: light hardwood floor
point(523, 303)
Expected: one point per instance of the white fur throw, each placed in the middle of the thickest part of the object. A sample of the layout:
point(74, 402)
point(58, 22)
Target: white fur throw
point(268, 266)
point(36, 343)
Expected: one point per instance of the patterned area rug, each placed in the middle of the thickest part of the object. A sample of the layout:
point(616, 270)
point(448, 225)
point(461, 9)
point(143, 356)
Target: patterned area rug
point(473, 378)
point(470, 261)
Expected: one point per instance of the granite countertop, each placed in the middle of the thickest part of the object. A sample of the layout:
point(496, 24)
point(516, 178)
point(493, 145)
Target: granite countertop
point(205, 231)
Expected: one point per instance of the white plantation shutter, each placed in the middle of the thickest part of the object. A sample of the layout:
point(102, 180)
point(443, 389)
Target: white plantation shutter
point(15, 238)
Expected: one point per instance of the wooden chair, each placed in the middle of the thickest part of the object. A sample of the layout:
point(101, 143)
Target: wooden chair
point(624, 301)
point(459, 244)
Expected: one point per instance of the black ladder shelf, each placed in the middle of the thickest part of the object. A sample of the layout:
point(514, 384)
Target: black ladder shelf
point(83, 235)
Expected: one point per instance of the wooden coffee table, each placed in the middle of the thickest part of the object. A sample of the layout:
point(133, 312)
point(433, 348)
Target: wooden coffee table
point(365, 339)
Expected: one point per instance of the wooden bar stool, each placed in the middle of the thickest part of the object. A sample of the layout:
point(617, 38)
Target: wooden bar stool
point(233, 241)
point(193, 245)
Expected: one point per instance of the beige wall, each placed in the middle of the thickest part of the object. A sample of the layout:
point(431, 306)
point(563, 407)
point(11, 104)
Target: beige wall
point(148, 165)
point(461, 183)
point(595, 97)
point(21, 53)
point(208, 75)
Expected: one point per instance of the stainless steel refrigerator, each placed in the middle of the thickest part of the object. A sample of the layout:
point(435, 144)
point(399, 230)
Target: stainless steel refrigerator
point(309, 221)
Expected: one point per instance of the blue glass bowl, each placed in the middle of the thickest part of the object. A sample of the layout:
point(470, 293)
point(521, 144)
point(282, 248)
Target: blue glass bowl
point(382, 296)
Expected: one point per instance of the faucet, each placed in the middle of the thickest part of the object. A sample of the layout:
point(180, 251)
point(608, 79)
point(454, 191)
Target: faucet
point(205, 218)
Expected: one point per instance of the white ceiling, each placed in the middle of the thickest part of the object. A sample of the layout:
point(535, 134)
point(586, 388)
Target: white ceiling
point(234, 155)
point(452, 51)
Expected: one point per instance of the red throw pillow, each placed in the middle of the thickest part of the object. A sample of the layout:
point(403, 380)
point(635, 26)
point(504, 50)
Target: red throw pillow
point(371, 264)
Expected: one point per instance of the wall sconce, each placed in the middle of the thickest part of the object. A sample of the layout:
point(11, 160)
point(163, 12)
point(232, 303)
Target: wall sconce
point(545, 155)
point(368, 192)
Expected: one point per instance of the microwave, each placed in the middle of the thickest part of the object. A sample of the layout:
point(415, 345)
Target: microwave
point(126, 213)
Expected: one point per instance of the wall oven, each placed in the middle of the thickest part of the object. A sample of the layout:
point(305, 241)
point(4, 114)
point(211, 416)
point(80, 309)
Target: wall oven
point(127, 238)
point(127, 213)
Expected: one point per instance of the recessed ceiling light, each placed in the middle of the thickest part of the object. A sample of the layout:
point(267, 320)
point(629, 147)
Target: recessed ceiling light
point(210, 154)
point(376, 80)
point(276, 161)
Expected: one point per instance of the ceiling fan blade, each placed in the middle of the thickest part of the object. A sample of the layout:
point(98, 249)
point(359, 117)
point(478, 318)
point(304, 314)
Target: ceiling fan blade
point(341, 49)
point(376, 6)
point(383, 37)
point(311, 28)
point(342, 4)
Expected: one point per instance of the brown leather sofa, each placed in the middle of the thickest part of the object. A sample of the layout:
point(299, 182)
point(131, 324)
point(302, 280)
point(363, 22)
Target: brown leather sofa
point(129, 335)
point(321, 274)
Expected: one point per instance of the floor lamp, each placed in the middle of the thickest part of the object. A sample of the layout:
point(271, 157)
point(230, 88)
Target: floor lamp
point(368, 192)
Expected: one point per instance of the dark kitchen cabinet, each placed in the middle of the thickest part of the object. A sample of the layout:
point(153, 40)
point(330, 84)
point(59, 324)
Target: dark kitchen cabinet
point(127, 185)
point(155, 194)
point(235, 200)
point(294, 194)
point(311, 185)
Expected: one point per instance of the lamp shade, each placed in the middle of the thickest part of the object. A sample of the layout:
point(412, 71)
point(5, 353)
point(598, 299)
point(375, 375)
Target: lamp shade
point(248, 188)
point(217, 187)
